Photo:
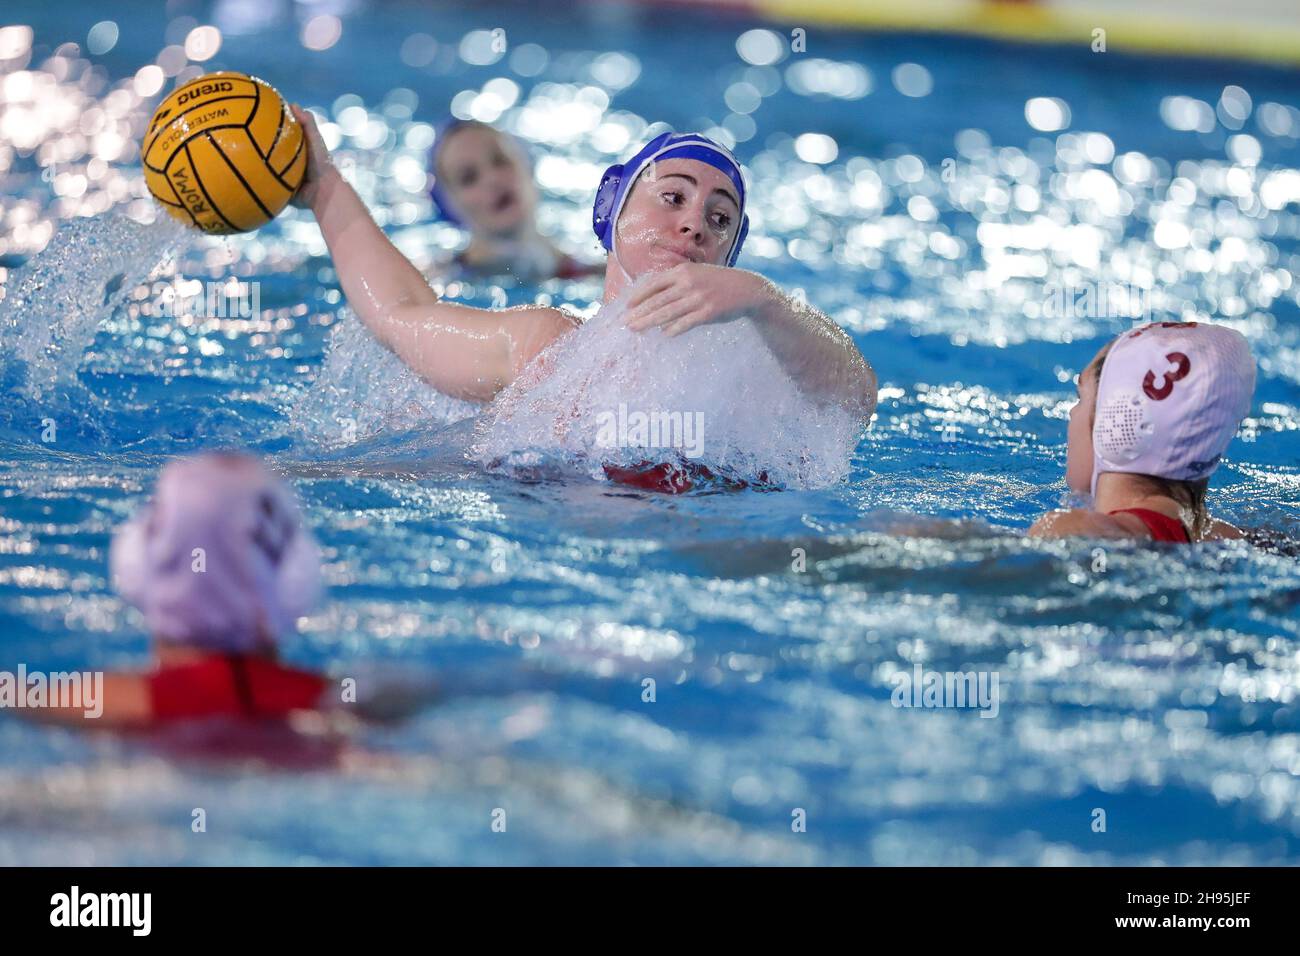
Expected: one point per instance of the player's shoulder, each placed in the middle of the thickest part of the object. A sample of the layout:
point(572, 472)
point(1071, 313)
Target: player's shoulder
point(535, 328)
point(544, 321)
point(1220, 530)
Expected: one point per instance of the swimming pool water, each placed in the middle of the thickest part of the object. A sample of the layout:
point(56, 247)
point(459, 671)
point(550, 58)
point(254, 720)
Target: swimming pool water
point(1158, 686)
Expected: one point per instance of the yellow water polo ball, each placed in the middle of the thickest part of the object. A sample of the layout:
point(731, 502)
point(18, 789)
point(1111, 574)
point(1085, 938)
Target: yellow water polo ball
point(224, 153)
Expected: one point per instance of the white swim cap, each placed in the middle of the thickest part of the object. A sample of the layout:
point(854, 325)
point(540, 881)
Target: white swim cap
point(219, 558)
point(1170, 399)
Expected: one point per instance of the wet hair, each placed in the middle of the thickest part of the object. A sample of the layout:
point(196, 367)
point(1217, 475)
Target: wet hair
point(1190, 495)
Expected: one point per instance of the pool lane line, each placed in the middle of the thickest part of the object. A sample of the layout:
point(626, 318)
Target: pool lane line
point(1126, 31)
point(1160, 31)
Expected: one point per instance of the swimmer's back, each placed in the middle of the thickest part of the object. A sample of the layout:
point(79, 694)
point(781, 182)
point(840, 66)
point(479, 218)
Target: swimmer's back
point(1125, 524)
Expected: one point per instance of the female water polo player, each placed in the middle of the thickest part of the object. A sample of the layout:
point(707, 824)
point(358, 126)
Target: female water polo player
point(482, 182)
point(672, 217)
point(1157, 409)
point(220, 566)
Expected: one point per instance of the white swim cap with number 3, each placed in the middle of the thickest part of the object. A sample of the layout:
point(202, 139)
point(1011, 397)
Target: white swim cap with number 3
point(1170, 399)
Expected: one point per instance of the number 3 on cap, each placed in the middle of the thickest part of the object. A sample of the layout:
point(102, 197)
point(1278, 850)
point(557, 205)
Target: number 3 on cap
point(1184, 365)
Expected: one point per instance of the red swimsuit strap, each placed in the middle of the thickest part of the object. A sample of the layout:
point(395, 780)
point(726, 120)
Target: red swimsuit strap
point(243, 685)
point(1162, 527)
point(232, 685)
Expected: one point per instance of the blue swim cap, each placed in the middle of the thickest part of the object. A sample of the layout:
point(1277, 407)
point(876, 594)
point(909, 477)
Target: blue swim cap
point(442, 206)
point(618, 179)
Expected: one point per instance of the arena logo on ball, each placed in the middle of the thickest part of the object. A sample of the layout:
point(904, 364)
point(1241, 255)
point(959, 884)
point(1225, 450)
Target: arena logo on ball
point(204, 89)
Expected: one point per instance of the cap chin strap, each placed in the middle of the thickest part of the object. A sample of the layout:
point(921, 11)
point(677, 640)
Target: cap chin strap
point(613, 254)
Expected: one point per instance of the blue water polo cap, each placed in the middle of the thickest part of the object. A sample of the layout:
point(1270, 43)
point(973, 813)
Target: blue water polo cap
point(618, 179)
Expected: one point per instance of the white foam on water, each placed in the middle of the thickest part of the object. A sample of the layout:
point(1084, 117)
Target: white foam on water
point(54, 303)
point(753, 418)
point(363, 390)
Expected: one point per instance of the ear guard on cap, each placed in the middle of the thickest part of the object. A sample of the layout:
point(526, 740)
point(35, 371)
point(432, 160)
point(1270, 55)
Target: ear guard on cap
point(603, 209)
point(1123, 430)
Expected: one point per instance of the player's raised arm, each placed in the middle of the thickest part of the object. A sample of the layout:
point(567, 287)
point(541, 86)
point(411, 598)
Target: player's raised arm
point(460, 350)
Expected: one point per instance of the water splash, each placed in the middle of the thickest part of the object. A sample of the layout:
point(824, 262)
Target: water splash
point(55, 302)
point(606, 394)
point(364, 390)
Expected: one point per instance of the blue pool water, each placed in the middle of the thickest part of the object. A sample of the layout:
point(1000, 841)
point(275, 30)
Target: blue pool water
point(1159, 687)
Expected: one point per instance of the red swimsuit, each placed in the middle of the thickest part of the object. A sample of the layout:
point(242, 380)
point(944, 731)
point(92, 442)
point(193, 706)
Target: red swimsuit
point(232, 685)
point(1162, 527)
point(673, 478)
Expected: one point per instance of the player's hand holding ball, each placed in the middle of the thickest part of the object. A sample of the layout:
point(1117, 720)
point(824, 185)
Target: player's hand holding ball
point(319, 164)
